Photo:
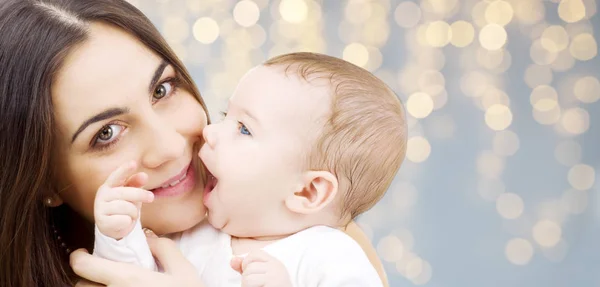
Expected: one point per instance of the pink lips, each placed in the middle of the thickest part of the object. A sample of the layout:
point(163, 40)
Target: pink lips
point(186, 182)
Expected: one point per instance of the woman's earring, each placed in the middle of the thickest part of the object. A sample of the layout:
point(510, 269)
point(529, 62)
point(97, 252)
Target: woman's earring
point(49, 201)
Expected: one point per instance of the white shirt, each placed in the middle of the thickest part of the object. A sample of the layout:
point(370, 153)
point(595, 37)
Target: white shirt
point(318, 256)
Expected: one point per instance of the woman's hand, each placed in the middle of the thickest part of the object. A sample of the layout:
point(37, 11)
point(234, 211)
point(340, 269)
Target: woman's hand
point(178, 270)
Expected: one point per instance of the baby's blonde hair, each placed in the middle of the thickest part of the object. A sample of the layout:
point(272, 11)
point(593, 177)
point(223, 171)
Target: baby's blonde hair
point(363, 141)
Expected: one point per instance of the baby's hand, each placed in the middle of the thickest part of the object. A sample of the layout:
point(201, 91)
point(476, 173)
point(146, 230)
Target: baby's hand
point(259, 269)
point(118, 201)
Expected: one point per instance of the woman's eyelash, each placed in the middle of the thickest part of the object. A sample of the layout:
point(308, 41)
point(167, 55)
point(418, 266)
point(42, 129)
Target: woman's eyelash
point(175, 82)
point(95, 146)
point(104, 147)
point(224, 114)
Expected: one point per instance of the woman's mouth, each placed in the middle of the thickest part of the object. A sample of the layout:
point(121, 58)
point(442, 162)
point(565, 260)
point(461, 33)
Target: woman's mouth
point(179, 184)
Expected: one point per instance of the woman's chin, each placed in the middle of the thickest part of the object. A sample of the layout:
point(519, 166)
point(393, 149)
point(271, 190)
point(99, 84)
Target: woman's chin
point(169, 226)
point(166, 222)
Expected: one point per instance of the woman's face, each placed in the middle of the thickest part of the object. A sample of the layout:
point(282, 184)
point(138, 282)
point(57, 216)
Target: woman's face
point(115, 101)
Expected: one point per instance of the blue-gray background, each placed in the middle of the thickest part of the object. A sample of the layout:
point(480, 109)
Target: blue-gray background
point(500, 185)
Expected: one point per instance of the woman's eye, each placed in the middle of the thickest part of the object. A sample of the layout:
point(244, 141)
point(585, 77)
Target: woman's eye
point(162, 91)
point(244, 130)
point(108, 134)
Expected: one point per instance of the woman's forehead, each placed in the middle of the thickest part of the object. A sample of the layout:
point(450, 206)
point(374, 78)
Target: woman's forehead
point(110, 68)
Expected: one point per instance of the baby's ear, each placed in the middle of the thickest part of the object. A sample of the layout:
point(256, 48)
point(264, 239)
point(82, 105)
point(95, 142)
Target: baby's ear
point(318, 190)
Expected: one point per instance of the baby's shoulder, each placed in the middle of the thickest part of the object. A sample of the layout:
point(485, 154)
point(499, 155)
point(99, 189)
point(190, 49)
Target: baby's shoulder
point(323, 240)
point(334, 257)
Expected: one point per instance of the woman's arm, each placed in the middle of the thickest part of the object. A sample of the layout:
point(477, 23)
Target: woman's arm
point(357, 234)
point(178, 270)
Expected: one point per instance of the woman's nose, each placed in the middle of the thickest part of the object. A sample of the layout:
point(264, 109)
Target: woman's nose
point(163, 144)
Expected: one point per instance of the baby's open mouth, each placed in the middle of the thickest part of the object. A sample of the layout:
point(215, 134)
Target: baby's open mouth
point(211, 182)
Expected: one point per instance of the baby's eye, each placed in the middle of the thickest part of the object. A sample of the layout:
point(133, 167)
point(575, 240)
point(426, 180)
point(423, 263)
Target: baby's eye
point(244, 130)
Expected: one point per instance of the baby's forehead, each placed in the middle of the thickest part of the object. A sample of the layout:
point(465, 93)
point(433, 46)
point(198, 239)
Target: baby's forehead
point(278, 89)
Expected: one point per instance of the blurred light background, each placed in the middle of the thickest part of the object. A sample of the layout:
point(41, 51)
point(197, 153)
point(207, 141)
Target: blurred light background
point(501, 182)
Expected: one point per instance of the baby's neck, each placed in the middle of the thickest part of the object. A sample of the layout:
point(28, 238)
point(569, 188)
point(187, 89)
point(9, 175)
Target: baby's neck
point(243, 245)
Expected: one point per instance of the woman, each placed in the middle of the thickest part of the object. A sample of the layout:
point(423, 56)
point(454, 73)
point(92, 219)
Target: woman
point(84, 87)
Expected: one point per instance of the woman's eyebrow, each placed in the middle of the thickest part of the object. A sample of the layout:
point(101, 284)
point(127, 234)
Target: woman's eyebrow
point(107, 114)
point(159, 71)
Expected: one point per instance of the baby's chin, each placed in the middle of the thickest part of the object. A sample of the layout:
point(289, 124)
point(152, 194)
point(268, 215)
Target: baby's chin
point(215, 221)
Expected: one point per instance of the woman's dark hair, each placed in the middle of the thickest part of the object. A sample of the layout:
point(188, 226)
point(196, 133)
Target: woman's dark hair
point(35, 38)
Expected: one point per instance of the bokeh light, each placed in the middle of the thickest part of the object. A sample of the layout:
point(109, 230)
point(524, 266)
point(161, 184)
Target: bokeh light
point(540, 55)
point(493, 96)
point(510, 205)
point(357, 54)
point(547, 233)
point(564, 61)
point(407, 14)
point(418, 149)
point(583, 47)
point(419, 105)
point(205, 30)
point(529, 12)
point(293, 11)
point(571, 11)
point(246, 13)
point(492, 37)
point(498, 117)
point(462, 33)
point(390, 248)
point(581, 176)
point(587, 89)
point(519, 251)
point(555, 39)
point(499, 12)
point(438, 34)
point(575, 121)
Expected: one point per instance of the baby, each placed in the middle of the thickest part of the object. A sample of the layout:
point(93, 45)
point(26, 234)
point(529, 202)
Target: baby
point(308, 143)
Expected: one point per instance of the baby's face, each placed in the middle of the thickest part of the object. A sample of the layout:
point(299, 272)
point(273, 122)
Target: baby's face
point(258, 152)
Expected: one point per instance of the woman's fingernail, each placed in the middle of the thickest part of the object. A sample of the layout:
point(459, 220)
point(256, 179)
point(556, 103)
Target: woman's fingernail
point(149, 233)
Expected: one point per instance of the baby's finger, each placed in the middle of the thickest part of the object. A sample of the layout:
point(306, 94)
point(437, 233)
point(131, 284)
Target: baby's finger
point(256, 256)
point(236, 264)
point(137, 180)
point(123, 221)
point(121, 207)
point(255, 268)
point(131, 194)
point(120, 175)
